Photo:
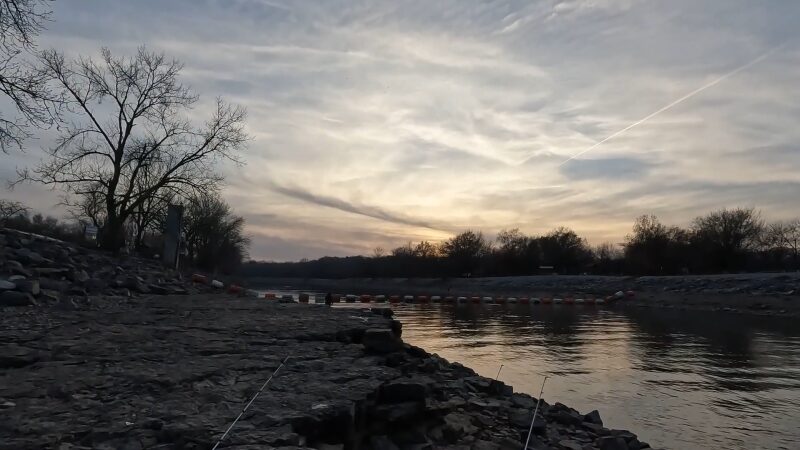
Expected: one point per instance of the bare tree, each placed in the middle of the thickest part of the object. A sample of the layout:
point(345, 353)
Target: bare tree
point(20, 23)
point(214, 235)
point(725, 236)
point(9, 209)
point(378, 252)
point(129, 138)
point(785, 236)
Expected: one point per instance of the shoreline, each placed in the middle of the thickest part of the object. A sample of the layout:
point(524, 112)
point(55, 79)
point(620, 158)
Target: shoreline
point(758, 294)
point(172, 372)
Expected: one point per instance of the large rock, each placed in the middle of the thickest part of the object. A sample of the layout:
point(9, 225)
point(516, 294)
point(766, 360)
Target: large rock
point(16, 298)
point(457, 426)
point(381, 341)
point(611, 443)
point(29, 286)
point(593, 417)
point(407, 390)
point(7, 285)
point(382, 442)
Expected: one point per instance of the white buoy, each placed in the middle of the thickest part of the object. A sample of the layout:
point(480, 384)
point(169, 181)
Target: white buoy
point(512, 299)
point(461, 299)
point(217, 284)
point(578, 301)
point(487, 300)
point(380, 298)
point(408, 298)
point(536, 300)
point(436, 299)
point(558, 300)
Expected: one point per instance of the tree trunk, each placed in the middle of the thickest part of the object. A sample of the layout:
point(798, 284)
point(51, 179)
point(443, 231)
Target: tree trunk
point(113, 235)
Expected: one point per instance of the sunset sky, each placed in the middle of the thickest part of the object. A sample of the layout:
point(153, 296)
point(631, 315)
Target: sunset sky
point(375, 123)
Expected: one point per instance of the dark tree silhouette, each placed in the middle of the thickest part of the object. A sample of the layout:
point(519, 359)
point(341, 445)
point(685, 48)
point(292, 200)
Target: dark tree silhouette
point(214, 236)
point(129, 121)
point(565, 251)
point(465, 250)
point(20, 83)
point(654, 248)
point(726, 235)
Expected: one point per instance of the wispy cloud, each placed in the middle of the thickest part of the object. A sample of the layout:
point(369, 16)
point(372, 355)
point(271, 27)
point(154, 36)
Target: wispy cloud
point(379, 122)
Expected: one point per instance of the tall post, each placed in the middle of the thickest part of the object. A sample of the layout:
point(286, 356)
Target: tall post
point(172, 235)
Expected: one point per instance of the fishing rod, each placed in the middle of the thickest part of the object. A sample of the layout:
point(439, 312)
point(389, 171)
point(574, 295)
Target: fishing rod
point(536, 410)
point(498, 372)
point(250, 403)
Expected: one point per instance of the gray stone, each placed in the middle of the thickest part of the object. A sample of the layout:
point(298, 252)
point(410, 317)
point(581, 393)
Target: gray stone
point(611, 443)
point(593, 417)
point(16, 298)
point(29, 286)
point(382, 442)
point(7, 285)
point(569, 444)
point(381, 341)
point(403, 391)
point(523, 401)
point(457, 426)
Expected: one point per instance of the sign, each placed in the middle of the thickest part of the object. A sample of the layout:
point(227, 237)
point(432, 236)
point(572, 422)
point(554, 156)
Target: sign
point(90, 232)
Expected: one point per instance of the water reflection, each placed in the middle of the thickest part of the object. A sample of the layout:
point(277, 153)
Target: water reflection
point(680, 380)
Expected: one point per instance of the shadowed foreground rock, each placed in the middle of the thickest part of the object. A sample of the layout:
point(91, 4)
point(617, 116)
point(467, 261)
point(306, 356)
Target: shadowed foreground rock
point(172, 372)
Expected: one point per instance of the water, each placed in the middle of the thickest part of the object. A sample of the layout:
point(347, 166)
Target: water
point(680, 380)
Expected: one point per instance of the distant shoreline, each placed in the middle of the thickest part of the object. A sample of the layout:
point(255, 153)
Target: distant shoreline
point(760, 293)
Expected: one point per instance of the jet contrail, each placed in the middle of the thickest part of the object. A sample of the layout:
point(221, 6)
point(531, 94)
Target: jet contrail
point(676, 102)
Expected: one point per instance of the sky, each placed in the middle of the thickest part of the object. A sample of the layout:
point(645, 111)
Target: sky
point(375, 123)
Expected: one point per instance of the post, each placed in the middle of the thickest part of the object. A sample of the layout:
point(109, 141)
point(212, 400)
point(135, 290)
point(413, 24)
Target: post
point(172, 235)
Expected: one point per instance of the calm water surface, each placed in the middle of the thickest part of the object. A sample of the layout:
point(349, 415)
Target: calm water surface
point(680, 380)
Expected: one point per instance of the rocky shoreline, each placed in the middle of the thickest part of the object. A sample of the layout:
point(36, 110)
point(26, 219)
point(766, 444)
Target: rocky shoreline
point(172, 372)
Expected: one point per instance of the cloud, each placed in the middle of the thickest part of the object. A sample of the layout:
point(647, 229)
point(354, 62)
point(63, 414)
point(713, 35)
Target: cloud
point(605, 168)
point(379, 122)
point(343, 205)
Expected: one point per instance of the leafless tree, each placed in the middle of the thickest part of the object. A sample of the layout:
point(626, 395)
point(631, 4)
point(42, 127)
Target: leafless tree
point(129, 137)
point(9, 209)
point(22, 85)
point(214, 236)
point(785, 236)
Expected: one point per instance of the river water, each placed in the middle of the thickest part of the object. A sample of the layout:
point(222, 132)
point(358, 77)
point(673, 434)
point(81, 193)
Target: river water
point(679, 380)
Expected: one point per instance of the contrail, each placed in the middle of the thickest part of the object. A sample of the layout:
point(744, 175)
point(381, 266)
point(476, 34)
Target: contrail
point(676, 102)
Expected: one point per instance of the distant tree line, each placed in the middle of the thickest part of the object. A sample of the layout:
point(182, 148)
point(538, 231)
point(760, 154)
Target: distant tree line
point(728, 240)
point(127, 147)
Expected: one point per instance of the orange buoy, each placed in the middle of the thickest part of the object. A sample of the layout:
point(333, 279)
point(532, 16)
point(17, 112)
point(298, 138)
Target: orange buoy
point(234, 289)
point(449, 299)
point(269, 295)
point(524, 300)
point(365, 298)
point(421, 299)
point(569, 300)
point(197, 278)
point(475, 299)
point(303, 298)
point(630, 294)
point(394, 299)
point(547, 300)
point(336, 298)
point(500, 300)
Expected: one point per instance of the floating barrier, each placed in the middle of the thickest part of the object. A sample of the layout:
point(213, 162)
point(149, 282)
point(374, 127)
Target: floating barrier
point(197, 278)
point(288, 297)
point(269, 295)
point(424, 299)
point(235, 289)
